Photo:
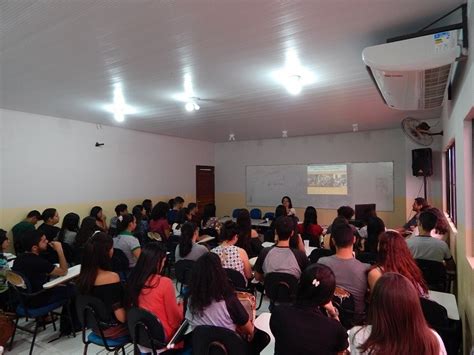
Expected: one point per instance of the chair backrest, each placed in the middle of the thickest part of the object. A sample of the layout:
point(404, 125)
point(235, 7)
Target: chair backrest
point(183, 271)
point(145, 329)
point(235, 212)
point(256, 213)
point(119, 261)
point(209, 340)
point(316, 254)
point(435, 314)
point(269, 236)
point(269, 215)
point(280, 287)
point(434, 273)
point(236, 279)
point(92, 312)
point(345, 304)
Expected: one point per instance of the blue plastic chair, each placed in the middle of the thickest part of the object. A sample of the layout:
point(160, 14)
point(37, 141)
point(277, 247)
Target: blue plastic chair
point(21, 290)
point(269, 215)
point(256, 213)
point(235, 213)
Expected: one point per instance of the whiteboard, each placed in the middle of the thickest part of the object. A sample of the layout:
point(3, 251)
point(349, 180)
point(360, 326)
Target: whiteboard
point(366, 183)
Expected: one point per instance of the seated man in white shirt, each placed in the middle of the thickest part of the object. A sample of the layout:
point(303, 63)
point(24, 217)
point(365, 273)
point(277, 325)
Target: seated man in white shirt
point(425, 247)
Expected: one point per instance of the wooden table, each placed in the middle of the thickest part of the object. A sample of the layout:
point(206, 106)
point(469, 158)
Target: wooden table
point(72, 272)
point(448, 301)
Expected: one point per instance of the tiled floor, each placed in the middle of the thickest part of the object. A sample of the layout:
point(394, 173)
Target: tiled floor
point(70, 345)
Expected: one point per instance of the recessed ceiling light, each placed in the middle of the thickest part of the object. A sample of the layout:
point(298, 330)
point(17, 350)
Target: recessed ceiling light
point(355, 127)
point(294, 76)
point(284, 134)
point(231, 137)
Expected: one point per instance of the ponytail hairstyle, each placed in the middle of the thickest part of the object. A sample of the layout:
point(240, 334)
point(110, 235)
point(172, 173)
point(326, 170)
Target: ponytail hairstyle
point(123, 222)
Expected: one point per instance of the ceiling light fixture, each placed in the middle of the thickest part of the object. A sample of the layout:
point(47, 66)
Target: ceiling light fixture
point(293, 76)
point(119, 108)
point(231, 137)
point(284, 134)
point(355, 127)
point(191, 106)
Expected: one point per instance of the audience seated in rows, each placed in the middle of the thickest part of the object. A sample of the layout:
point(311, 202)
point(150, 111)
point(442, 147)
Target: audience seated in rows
point(125, 240)
point(97, 279)
point(158, 221)
point(248, 238)
point(28, 224)
point(394, 256)
point(296, 327)
point(281, 257)
point(396, 324)
point(351, 274)
point(232, 257)
point(153, 292)
point(69, 229)
point(187, 248)
point(441, 229)
point(426, 247)
point(310, 229)
point(100, 218)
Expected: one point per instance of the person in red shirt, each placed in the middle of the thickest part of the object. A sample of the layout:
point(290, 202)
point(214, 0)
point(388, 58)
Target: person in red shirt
point(310, 229)
point(152, 291)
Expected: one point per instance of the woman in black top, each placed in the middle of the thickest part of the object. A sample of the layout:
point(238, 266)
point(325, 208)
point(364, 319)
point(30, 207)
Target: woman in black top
point(248, 237)
point(96, 279)
point(305, 327)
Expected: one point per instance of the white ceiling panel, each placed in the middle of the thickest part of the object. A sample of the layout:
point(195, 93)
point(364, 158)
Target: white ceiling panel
point(62, 58)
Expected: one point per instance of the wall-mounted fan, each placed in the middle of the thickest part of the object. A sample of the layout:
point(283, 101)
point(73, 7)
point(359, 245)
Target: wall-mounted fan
point(419, 131)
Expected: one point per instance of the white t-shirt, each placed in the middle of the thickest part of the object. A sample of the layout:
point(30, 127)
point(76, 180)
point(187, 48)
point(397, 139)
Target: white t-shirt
point(358, 335)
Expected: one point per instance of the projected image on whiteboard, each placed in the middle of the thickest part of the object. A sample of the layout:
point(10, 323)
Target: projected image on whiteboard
point(327, 179)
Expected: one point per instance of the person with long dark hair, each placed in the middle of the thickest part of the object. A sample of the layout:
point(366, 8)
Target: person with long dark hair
point(158, 221)
point(88, 227)
point(97, 279)
point(396, 324)
point(182, 217)
point(100, 217)
point(139, 213)
point(187, 248)
point(212, 299)
point(148, 206)
point(232, 257)
point(248, 238)
point(286, 202)
point(367, 250)
point(150, 290)
point(125, 240)
point(394, 256)
point(310, 229)
point(295, 326)
point(69, 229)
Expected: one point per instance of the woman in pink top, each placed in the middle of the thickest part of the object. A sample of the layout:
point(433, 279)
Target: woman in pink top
point(153, 292)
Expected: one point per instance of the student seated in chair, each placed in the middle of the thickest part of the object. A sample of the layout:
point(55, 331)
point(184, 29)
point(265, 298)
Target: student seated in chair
point(153, 292)
point(120, 210)
point(125, 240)
point(350, 273)
point(311, 325)
point(280, 257)
point(425, 247)
point(50, 219)
point(96, 279)
point(37, 269)
point(187, 248)
point(212, 299)
point(419, 204)
point(28, 224)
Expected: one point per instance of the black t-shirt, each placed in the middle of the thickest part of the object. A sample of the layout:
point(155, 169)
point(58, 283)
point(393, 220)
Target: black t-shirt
point(303, 330)
point(112, 295)
point(35, 268)
point(51, 232)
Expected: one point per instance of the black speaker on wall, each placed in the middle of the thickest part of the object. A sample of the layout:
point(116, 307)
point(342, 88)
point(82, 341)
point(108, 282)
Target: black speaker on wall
point(422, 162)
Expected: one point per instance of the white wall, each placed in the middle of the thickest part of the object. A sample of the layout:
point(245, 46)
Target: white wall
point(47, 160)
point(372, 146)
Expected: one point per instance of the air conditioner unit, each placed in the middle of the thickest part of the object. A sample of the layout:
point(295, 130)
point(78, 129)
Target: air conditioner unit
point(413, 74)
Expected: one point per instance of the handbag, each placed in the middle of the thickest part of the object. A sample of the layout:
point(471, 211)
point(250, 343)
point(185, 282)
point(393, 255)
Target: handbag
point(6, 327)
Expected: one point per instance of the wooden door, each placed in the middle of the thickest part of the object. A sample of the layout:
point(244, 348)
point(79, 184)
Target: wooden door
point(204, 186)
